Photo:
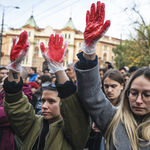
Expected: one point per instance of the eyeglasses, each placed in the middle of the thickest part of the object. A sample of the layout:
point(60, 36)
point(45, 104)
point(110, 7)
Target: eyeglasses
point(48, 84)
point(133, 95)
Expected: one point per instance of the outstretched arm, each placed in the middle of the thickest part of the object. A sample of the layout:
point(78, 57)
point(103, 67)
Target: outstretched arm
point(76, 120)
point(88, 80)
point(19, 112)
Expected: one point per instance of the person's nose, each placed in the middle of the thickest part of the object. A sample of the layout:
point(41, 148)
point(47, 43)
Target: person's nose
point(44, 106)
point(109, 89)
point(139, 99)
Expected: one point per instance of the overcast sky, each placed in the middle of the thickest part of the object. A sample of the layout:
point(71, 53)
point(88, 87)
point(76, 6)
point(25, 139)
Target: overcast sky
point(56, 13)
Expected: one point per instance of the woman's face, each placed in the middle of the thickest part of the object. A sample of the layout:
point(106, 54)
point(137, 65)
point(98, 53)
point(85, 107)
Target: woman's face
point(126, 79)
point(112, 89)
point(139, 106)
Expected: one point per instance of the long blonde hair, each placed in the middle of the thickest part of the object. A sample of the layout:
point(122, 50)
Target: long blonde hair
point(125, 115)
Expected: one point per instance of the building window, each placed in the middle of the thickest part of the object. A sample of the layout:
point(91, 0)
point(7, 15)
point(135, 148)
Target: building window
point(79, 44)
point(69, 36)
point(37, 41)
point(112, 59)
point(65, 36)
point(36, 53)
point(105, 48)
point(29, 33)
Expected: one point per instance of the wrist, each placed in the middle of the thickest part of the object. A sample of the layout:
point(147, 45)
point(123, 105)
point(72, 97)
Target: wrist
point(13, 76)
point(89, 57)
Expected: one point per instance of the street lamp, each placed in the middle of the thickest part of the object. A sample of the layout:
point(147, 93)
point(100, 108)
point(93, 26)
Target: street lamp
point(2, 26)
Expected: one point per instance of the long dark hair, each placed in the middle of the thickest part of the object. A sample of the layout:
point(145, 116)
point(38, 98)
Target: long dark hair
point(116, 76)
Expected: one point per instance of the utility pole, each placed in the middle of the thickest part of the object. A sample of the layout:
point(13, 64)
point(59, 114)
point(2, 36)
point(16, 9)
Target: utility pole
point(2, 34)
point(3, 27)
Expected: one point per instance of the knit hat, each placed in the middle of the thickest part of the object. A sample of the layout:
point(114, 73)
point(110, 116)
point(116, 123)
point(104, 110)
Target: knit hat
point(34, 84)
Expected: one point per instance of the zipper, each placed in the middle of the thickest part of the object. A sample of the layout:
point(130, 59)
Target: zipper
point(47, 136)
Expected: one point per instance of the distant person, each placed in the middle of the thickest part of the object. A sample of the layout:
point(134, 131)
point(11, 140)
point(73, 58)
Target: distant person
point(71, 73)
point(3, 72)
point(102, 71)
point(133, 69)
point(32, 74)
point(126, 77)
point(127, 68)
point(122, 70)
point(108, 65)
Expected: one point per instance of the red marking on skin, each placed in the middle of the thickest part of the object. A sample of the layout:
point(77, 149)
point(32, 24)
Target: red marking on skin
point(21, 44)
point(95, 26)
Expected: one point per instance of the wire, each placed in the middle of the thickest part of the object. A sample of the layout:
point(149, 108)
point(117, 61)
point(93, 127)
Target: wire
point(58, 10)
point(51, 13)
point(50, 8)
point(16, 5)
point(20, 15)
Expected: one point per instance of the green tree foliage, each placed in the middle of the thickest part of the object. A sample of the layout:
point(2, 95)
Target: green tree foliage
point(135, 51)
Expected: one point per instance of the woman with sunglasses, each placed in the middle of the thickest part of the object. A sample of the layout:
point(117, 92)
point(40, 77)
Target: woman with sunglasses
point(128, 126)
point(67, 130)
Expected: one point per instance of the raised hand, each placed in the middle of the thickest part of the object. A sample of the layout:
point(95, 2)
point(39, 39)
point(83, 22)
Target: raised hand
point(95, 27)
point(18, 52)
point(55, 53)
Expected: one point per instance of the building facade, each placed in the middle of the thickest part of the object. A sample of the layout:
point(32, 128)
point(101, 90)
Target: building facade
point(37, 35)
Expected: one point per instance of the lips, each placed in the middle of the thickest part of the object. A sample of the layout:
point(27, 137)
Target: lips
point(45, 113)
point(138, 108)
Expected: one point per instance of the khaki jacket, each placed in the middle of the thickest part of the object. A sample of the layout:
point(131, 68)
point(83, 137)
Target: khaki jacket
point(69, 133)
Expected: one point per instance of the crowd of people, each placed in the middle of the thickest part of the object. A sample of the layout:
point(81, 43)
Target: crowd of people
point(81, 108)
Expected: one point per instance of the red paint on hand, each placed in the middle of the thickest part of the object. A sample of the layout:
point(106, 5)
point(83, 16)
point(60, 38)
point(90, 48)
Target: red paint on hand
point(20, 46)
point(95, 26)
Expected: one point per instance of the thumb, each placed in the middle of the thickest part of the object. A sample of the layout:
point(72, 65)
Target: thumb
point(14, 40)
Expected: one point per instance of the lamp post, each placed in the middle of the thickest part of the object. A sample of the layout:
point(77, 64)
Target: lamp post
point(2, 27)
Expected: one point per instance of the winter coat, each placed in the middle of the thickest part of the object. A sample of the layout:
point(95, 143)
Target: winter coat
point(99, 107)
point(69, 133)
point(33, 77)
point(6, 134)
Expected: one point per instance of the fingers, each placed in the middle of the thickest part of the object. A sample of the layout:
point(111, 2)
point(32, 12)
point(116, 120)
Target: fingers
point(56, 39)
point(101, 14)
point(97, 10)
point(15, 40)
point(87, 17)
point(61, 41)
point(51, 40)
point(104, 28)
point(42, 47)
point(23, 38)
point(65, 46)
point(92, 15)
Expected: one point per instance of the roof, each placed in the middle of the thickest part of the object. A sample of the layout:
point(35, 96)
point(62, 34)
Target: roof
point(69, 24)
point(31, 22)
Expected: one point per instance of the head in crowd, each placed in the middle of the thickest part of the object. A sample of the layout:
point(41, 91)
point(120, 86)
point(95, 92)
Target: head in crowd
point(102, 72)
point(39, 80)
point(127, 68)
point(24, 74)
point(39, 73)
point(113, 85)
point(3, 72)
point(32, 70)
point(50, 102)
point(133, 69)
point(126, 77)
point(46, 72)
point(108, 65)
point(70, 72)
point(134, 108)
point(122, 70)
point(34, 86)
point(2, 82)
point(45, 78)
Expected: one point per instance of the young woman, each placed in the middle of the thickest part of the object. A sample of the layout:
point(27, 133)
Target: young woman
point(125, 128)
point(52, 131)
